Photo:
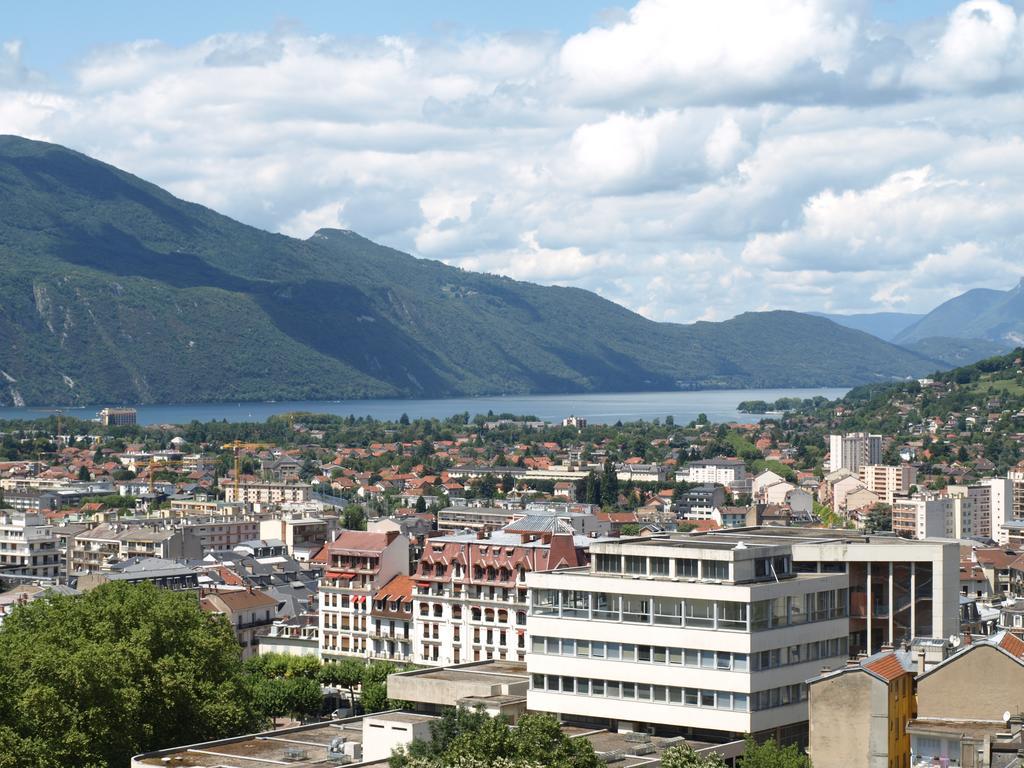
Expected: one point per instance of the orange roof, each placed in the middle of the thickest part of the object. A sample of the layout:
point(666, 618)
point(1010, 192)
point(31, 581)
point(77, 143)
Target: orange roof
point(359, 541)
point(399, 588)
point(1013, 644)
point(888, 667)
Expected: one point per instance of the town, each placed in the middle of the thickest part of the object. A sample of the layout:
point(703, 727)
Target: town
point(661, 591)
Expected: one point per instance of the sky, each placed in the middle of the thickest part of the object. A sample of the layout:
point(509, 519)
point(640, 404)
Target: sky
point(689, 160)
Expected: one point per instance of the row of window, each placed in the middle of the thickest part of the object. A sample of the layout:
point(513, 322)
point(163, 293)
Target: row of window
point(702, 614)
point(668, 694)
point(692, 657)
point(689, 568)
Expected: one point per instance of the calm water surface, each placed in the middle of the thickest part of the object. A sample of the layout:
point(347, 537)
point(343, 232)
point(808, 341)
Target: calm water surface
point(719, 405)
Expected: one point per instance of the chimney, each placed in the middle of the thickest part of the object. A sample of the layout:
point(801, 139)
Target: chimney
point(481, 533)
point(920, 662)
point(852, 663)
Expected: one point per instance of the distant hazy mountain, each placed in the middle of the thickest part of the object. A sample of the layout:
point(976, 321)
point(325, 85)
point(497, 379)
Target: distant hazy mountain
point(113, 290)
point(884, 325)
point(983, 313)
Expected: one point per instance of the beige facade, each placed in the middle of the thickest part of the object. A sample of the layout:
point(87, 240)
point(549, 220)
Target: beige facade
point(888, 481)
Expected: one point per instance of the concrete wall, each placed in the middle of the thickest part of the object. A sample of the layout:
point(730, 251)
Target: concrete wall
point(980, 684)
point(841, 726)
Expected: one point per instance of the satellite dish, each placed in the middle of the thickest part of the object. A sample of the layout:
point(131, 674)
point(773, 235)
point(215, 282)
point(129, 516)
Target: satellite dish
point(954, 640)
point(1006, 716)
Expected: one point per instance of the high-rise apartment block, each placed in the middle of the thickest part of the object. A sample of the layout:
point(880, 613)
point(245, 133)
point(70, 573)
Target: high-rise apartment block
point(854, 450)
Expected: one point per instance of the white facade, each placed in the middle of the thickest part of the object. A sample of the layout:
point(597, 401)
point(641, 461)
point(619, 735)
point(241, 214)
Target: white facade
point(266, 493)
point(854, 450)
point(683, 636)
point(28, 545)
point(925, 518)
point(731, 473)
point(1001, 498)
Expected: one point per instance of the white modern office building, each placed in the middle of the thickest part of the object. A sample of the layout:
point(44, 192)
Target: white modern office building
point(701, 636)
point(28, 545)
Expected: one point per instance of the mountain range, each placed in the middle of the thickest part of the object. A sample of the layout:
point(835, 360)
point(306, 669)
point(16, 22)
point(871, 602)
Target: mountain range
point(113, 290)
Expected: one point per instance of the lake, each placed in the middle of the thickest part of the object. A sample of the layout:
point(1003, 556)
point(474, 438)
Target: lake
point(719, 405)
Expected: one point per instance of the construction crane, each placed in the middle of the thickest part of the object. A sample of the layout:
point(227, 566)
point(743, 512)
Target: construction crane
point(237, 446)
point(152, 467)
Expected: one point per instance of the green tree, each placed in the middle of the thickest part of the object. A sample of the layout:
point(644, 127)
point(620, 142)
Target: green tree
point(353, 518)
point(770, 755)
point(421, 505)
point(344, 673)
point(374, 696)
point(609, 485)
point(683, 756)
point(472, 738)
point(91, 680)
point(487, 486)
point(83, 474)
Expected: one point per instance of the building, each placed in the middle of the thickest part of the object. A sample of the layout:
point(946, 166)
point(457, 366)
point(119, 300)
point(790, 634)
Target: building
point(854, 450)
point(267, 493)
point(700, 502)
point(887, 481)
point(304, 534)
point(732, 473)
point(109, 543)
point(584, 519)
point(718, 635)
point(250, 613)
point(961, 704)
point(921, 518)
point(471, 596)
point(118, 417)
point(166, 574)
point(899, 589)
point(359, 564)
point(28, 545)
point(391, 631)
point(876, 698)
point(574, 421)
point(641, 473)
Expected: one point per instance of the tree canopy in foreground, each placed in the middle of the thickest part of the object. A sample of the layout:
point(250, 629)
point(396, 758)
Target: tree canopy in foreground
point(89, 681)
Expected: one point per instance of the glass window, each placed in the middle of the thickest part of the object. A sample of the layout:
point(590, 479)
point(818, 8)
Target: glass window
point(537, 644)
point(659, 655)
point(760, 615)
point(568, 684)
point(613, 689)
point(732, 615)
point(643, 692)
point(629, 690)
point(798, 608)
point(545, 602)
point(659, 693)
point(636, 609)
point(554, 645)
point(739, 662)
point(794, 654)
point(739, 702)
point(628, 652)
point(659, 566)
point(675, 695)
point(636, 565)
point(724, 661)
point(568, 647)
point(668, 611)
point(605, 563)
point(606, 607)
point(692, 657)
point(538, 682)
point(575, 604)
point(780, 612)
point(643, 653)
point(686, 568)
point(582, 647)
point(583, 685)
point(700, 613)
point(553, 683)
point(707, 659)
point(715, 569)
point(707, 698)
point(724, 700)
point(675, 655)
point(597, 687)
point(597, 650)
point(691, 697)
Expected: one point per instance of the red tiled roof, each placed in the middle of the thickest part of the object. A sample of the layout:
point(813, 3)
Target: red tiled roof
point(399, 588)
point(887, 667)
point(359, 541)
point(1013, 644)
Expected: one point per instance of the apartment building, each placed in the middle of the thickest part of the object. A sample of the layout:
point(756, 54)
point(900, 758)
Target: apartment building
point(1001, 506)
point(471, 596)
point(899, 589)
point(391, 617)
point(359, 563)
point(700, 502)
point(28, 545)
point(118, 417)
point(267, 493)
point(854, 450)
point(972, 510)
point(886, 481)
point(703, 636)
point(921, 518)
point(108, 543)
point(302, 532)
point(732, 473)
point(876, 698)
point(580, 517)
point(250, 613)
point(641, 473)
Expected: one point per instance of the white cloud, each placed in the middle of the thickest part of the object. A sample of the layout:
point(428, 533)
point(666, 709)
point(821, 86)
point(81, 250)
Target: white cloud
point(690, 160)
